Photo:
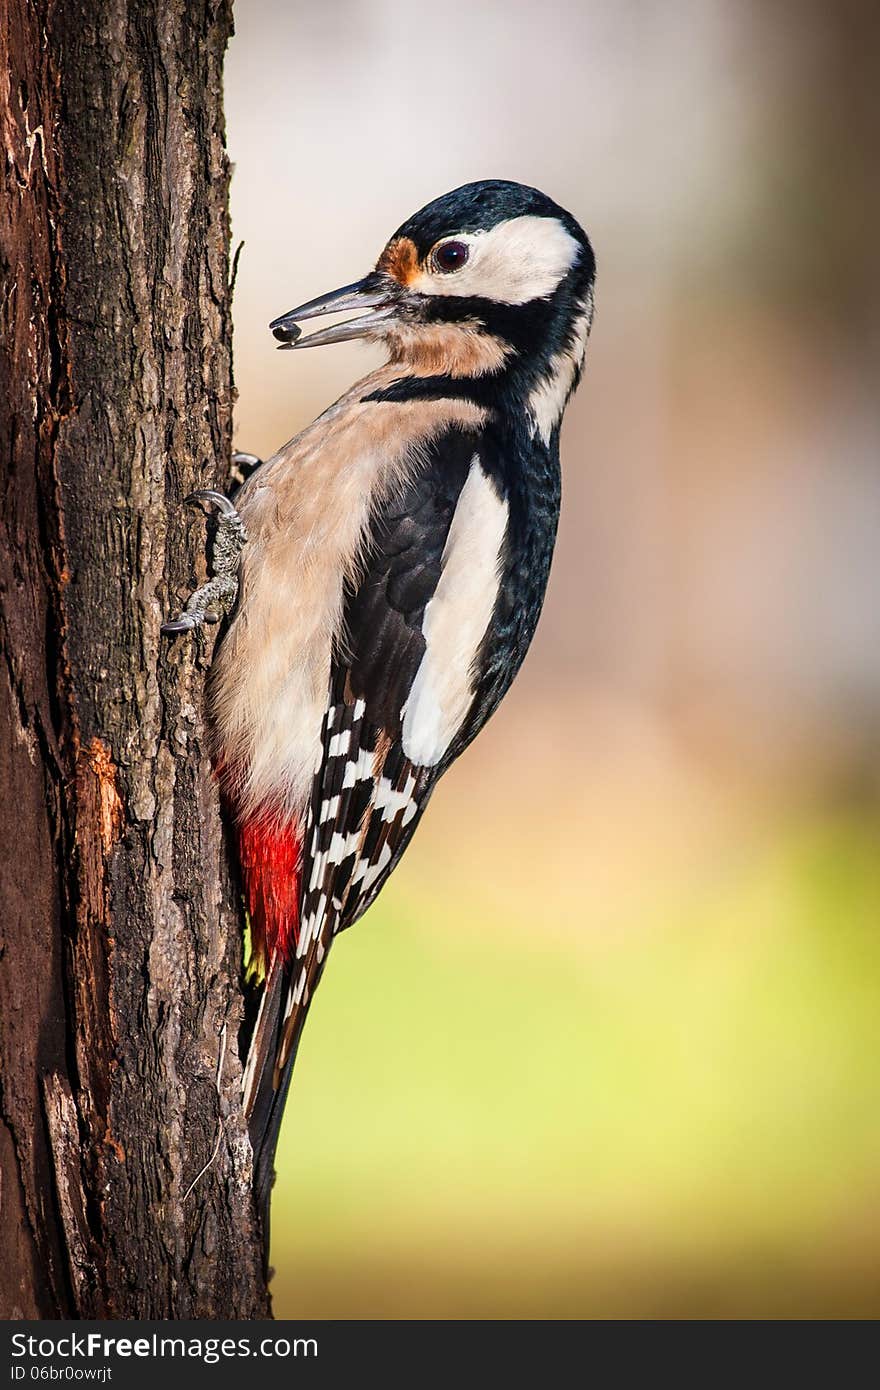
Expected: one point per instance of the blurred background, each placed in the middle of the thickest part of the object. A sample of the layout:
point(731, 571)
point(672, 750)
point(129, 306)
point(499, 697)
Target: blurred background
point(608, 1043)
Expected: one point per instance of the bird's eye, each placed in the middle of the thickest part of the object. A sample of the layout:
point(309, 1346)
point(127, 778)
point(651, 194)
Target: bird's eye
point(449, 256)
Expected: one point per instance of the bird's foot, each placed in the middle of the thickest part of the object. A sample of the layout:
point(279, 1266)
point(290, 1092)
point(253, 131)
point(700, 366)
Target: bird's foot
point(214, 599)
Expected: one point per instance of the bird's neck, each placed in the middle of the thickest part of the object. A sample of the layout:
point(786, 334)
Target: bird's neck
point(510, 361)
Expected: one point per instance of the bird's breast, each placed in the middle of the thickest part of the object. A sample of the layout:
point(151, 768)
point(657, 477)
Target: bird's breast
point(307, 513)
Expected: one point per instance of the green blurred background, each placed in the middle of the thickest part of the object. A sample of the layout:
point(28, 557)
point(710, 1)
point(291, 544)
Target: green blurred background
point(607, 1045)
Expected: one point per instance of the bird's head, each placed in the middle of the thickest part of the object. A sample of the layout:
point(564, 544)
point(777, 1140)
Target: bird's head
point(491, 278)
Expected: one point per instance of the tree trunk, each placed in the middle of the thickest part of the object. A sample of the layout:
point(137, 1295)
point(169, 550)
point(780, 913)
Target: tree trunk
point(125, 1169)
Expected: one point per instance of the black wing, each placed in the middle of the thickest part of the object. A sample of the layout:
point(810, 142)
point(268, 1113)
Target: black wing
point(367, 797)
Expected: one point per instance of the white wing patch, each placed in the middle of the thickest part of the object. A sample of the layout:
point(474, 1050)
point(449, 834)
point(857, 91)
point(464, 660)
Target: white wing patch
point(456, 619)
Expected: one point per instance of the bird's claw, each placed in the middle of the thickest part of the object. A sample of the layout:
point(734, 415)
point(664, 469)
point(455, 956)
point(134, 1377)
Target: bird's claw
point(185, 623)
point(214, 599)
point(243, 465)
point(215, 499)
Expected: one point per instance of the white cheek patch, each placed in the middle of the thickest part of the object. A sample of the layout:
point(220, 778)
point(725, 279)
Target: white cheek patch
point(519, 260)
point(456, 620)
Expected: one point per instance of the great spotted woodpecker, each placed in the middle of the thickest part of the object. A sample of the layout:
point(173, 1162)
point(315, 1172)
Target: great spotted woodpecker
point(384, 573)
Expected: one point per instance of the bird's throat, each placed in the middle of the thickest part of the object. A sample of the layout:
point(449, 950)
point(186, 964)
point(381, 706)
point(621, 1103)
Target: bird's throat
point(446, 349)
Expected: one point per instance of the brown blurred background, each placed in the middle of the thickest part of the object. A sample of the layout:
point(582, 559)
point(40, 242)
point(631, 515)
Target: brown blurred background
point(608, 1043)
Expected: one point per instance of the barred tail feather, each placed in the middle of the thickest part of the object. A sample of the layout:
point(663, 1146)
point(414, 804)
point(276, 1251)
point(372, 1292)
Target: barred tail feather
point(285, 1004)
point(264, 1041)
point(263, 1103)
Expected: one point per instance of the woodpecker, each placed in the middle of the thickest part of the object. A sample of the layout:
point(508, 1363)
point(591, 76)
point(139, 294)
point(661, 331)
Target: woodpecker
point(383, 574)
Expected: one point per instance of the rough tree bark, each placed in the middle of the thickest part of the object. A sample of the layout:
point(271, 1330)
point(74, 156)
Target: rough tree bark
point(125, 1180)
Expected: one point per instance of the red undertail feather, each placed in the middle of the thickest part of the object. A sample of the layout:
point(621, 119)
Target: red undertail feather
point(270, 864)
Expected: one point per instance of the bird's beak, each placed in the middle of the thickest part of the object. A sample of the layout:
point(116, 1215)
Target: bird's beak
point(373, 292)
